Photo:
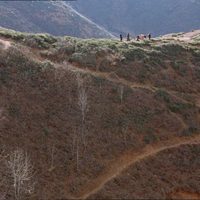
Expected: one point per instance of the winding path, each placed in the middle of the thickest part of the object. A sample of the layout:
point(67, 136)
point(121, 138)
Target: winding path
point(189, 36)
point(112, 77)
point(130, 158)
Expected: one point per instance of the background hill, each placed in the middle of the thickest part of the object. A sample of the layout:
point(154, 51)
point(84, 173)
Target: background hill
point(52, 17)
point(118, 16)
point(142, 16)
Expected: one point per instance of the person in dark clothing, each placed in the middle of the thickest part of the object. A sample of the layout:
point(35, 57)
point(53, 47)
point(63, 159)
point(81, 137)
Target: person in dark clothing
point(121, 38)
point(138, 38)
point(128, 37)
point(149, 36)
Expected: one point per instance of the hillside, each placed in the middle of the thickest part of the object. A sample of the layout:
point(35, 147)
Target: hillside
point(142, 16)
point(47, 16)
point(100, 118)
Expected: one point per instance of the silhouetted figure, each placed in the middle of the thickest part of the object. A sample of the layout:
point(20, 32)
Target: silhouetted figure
point(121, 37)
point(128, 37)
point(149, 36)
point(138, 38)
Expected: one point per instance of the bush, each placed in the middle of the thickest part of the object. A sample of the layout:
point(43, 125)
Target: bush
point(4, 76)
point(179, 67)
point(162, 94)
point(43, 41)
point(84, 59)
point(178, 107)
point(13, 110)
point(12, 34)
point(171, 49)
point(32, 40)
point(133, 54)
point(189, 131)
point(150, 138)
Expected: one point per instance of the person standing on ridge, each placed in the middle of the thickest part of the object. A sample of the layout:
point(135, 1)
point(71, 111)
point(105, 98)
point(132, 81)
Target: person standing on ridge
point(149, 36)
point(128, 37)
point(121, 38)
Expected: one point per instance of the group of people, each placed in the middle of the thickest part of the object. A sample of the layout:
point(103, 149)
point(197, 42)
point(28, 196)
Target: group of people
point(138, 38)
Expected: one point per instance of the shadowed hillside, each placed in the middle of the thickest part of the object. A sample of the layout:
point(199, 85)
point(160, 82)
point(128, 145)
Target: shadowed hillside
point(142, 16)
point(88, 112)
point(50, 17)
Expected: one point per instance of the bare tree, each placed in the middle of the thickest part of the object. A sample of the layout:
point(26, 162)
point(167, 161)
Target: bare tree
point(1, 114)
point(79, 80)
point(2, 181)
point(21, 170)
point(3, 196)
point(121, 92)
point(124, 132)
point(3, 193)
point(83, 106)
point(52, 158)
point(77, 153)
point(83, 103)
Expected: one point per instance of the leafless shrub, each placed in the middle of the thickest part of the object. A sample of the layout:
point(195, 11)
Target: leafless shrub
point(82, 102)
point(2, 117)
point(2, 194)
point(2, 180)
point(124, 132)
point(3, 185)
point(52, 157)
point(121, 92)
point(79, 80)
point(83, 106)
point(21, 171)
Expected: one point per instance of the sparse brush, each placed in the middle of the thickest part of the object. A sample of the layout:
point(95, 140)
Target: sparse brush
point(22, 173)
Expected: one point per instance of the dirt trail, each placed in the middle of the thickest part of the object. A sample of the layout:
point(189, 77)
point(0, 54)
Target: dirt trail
point(117, 166)
point(6, 44)
point(117, 80)
point(108, 76)
point(185, 195)
point(189, 36)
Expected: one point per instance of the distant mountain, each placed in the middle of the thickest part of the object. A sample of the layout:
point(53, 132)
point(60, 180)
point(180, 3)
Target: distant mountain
point(56, 18)
point(142, 16)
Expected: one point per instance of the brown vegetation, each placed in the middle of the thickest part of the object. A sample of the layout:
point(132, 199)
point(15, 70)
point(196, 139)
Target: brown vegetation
point(137, 94)
point(171, 174)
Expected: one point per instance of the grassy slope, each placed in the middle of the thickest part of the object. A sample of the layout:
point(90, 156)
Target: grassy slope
point(39, 99)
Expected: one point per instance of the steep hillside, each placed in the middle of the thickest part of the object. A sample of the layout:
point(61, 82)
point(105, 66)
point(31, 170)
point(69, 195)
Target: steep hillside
point(142, 16)
point(47, 16)
point(94, 115)
point(173, 177)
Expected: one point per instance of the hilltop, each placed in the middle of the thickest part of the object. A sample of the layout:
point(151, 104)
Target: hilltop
point(97, 114)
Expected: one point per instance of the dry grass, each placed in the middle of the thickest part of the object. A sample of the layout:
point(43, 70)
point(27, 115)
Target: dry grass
point(39, 100)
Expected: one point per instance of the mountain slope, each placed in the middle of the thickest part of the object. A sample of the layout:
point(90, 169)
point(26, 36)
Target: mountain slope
point(142, 16)
point(52, 17)
point(80, 107)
